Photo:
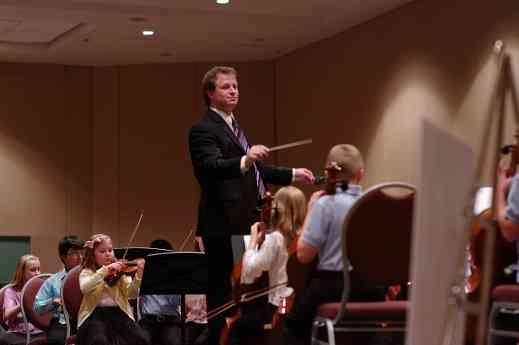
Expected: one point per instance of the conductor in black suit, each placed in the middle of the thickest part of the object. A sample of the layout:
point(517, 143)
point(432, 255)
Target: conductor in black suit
point(232, 179)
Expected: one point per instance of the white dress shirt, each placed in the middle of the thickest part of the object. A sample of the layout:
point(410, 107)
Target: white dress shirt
point(272, 256)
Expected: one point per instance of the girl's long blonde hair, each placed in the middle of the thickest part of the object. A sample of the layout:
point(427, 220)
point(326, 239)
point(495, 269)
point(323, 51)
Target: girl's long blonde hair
point(89, 261)
point(289, 211)
point(17, 279)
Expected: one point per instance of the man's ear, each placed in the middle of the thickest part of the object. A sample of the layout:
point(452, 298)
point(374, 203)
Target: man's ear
point(63, 258)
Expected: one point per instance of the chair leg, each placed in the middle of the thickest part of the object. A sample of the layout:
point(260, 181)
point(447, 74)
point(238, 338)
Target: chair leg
point(318, 323)
point(331, 333)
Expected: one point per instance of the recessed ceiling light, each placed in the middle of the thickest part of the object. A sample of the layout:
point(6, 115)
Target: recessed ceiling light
point(222, 2)
point(148, 32)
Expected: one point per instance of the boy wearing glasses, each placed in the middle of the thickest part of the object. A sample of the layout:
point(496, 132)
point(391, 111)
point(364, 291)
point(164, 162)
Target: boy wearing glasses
point(48, 299)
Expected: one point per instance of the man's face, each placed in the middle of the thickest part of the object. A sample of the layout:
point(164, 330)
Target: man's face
point(73, 258)
point(225, 95)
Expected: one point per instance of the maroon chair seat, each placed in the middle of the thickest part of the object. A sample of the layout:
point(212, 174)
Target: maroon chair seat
point(506, 293)
point(42, 322)
point(368, 311)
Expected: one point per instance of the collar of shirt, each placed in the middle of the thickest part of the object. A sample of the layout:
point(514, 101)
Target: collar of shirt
point(353, 189)
point(226, 117)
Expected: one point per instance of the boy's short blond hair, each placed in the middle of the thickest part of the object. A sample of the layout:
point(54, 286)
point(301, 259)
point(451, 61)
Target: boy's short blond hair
point(348, 157)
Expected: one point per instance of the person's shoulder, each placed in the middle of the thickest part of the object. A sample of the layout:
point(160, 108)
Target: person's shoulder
point(277, 237)
point(58, 275)
point(324, 200)
point(10, 290)
point(204, 123)
point(86, 271)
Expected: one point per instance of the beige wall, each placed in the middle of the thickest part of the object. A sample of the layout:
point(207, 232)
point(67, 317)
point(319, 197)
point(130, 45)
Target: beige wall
point(142, 115)
point(45, 154)
point(82, 150)
point(373, 84)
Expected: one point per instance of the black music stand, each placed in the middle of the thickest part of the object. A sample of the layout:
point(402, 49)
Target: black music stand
point(176, 273)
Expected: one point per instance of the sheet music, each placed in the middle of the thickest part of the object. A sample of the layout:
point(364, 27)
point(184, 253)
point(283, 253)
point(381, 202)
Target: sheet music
point(239, 244)
point(483, 200)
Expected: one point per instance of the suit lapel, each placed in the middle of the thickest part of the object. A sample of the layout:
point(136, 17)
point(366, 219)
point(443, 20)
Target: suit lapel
point(221, 122)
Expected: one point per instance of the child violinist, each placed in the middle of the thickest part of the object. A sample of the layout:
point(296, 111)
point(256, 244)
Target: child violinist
point(28, 266)
point(321, 236)
point(105, 315)
point(269, 253)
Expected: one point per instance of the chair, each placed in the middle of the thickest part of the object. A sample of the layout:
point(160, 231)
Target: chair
point(505, 294)
point(506, 302)
point(42, 322)
point(71, 296)
point(2, 321)
point(376, 240)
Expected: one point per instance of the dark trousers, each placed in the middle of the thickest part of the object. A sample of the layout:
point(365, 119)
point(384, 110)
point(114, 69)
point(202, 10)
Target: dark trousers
point(196, 333)
point(162, 331)
point(220, 258)
point(111, 326)
point(251, 323)
point(12, 338)
point(56, 333)
point(323, 287)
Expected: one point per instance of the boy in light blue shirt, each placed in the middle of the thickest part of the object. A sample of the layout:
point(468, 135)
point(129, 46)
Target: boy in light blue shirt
point(48, 298)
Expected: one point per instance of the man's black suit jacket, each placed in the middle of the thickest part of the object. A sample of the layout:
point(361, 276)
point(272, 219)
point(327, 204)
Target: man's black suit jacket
point(228, 198)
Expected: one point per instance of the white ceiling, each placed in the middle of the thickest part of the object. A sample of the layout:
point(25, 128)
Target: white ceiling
point(108, 32)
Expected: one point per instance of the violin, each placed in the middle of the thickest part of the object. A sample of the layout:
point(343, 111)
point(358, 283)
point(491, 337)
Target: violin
point(128, 268)
point(331, 179)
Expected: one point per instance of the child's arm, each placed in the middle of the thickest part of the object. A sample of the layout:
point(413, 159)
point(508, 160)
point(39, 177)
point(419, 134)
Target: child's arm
point(315, 222)
point(45, 298)
point(11, 306)
point(89, 280)
point(256, 261)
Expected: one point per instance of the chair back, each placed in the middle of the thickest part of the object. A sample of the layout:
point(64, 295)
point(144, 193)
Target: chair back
point(71, 296)
point(377, 234)
point(2, 294)
point(29, 292)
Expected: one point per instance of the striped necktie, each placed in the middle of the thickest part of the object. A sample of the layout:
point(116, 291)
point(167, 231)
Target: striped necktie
point(246, 147)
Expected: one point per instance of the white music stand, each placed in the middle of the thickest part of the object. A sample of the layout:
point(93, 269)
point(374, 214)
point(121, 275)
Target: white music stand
point(446, 168)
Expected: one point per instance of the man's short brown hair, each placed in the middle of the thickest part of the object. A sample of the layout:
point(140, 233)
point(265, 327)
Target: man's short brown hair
point(348, 157)
point(208, 82)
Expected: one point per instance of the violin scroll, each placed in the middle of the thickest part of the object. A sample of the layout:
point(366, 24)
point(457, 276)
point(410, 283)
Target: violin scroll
point(331, 179)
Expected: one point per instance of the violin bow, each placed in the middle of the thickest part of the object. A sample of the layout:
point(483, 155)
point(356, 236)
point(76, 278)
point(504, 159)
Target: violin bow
point(185, 240)
point(246, 297)
point(133, 234)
